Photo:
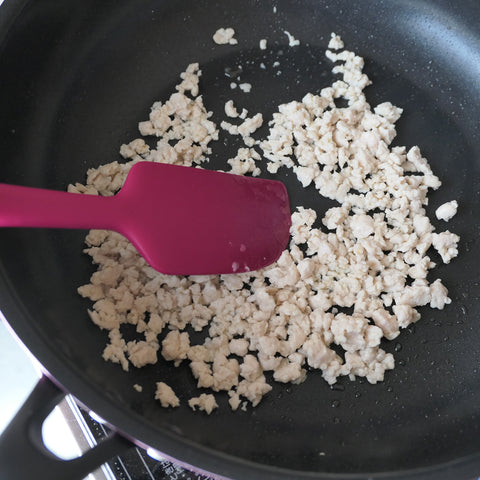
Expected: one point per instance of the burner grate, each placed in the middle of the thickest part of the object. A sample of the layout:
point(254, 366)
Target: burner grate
point(136, 464)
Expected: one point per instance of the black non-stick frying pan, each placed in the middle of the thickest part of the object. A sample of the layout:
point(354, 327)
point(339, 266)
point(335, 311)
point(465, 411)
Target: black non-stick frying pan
point(77, 76)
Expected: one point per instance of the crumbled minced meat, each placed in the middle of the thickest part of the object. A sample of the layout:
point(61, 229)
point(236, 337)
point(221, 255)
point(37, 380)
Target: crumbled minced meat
point(224, 36)
point(447, 211)
point(335, 43)
point(166, 396)
point(368, 253)
point(205, 402)
point(292, 41)
point(244, 162)
point(230, 110)
point(245, 87)
point(244, 129)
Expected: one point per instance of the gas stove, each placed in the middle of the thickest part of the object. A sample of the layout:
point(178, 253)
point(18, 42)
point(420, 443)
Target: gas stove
point(69, 430)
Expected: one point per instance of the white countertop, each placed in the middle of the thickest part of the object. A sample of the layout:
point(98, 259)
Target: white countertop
point(18, 375)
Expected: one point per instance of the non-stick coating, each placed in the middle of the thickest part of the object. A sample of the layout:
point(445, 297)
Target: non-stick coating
point(77, 76)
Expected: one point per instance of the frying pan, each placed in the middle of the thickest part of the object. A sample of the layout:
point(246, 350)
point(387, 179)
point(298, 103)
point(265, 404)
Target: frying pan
point(77, 76)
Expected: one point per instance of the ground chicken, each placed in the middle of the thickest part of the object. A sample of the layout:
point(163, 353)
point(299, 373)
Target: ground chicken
point(367, 253)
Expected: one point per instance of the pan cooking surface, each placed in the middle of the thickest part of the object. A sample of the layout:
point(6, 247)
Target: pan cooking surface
point(76, 81)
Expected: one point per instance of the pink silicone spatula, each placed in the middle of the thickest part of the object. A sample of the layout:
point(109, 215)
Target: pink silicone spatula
point(182, 220)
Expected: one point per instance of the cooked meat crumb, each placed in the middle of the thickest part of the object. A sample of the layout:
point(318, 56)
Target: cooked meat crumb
point(245, 87)
point(447, 211)
point(205, 403)
point(292, 41)
point(166, 395)
point(224, 36)
point(367, 255)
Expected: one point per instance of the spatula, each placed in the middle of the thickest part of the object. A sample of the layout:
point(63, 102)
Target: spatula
point(182, 220)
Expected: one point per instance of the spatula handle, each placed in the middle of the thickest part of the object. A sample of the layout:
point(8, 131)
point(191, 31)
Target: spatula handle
point(36, 207)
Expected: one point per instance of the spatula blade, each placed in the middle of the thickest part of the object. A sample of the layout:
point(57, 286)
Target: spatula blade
point(191, 221)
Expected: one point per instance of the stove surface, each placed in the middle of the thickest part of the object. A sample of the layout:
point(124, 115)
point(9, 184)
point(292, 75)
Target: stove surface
point(70, 431)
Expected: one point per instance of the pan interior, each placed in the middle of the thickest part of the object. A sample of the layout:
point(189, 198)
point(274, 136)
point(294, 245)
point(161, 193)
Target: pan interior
point(78, 77)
